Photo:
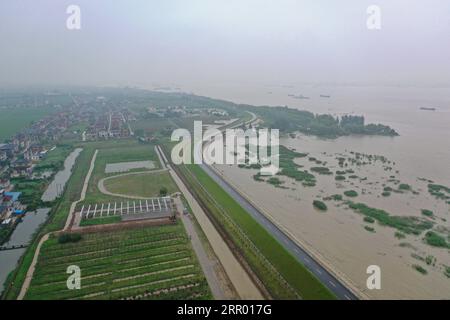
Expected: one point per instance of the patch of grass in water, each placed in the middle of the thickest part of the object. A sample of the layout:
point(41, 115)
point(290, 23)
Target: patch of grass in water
point(430, 260)
point(290, 169)
point(351, 193)
point(369, 219)
point(335, 197)
point(320, 205)
point(275, 181)
point(321, 170)
point(439, 191)
point(399, 235)
point(257, 177)
point(404, 187)
point(427, 213)
point(420, 269)
point(436, 240)
point(447, 271)
point(408, 225)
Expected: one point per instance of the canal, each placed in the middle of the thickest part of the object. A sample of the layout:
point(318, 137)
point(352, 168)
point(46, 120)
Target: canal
point(24, 231)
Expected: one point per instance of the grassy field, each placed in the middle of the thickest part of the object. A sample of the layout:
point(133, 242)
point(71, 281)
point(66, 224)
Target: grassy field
point(114, 152)
point(258, 246)
point(144, 263)
point(99, 221)
point(143, 185)
point(15, 119)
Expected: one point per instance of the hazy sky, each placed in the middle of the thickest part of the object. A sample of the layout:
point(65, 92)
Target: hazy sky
point(141, 42)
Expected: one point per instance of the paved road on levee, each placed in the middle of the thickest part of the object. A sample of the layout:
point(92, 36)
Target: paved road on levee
point(320, 272)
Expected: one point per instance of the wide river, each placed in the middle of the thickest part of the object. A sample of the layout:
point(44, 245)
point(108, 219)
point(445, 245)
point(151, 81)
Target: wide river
point(423, 146)
point(338, 237)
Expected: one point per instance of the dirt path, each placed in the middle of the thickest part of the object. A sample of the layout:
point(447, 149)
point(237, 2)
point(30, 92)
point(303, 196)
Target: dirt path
point(241, 281)
point(163, 164)
point(101, 184)
point(207, 265)
point(30, 272)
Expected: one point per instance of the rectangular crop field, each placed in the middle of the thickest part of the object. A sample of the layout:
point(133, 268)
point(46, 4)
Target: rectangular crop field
point(143, 263)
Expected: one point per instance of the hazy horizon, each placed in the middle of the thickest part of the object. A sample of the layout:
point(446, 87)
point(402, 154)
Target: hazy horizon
point(195, 43)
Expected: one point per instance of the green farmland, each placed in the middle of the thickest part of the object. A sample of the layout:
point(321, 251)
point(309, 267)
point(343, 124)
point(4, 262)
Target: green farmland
point(142, 263)
point(14, 120)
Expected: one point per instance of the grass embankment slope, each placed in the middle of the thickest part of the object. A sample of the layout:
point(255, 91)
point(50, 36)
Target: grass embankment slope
point(306, 285)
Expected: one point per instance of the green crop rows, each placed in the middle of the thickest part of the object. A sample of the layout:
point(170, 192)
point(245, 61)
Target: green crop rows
point(143, 263)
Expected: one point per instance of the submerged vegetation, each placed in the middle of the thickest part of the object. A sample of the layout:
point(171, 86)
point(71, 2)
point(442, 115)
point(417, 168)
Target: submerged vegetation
point(288, 168)
point(434, 239)
point(427, 213)
point(399, 235)
point(321, 170)
point(447, 271)
point(420, 269)
point(439, 191)
point(320, 205)
point(408, 225)
point(351, 193)
point(292, 170)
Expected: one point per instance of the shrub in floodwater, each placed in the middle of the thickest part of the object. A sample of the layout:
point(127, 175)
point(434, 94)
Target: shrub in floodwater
point(420, 269)
point(404, 187)
point(320, 205)
point(369, 219)
point(427, 212)
point(351, 193)
point(399, 235)
point(436, 240)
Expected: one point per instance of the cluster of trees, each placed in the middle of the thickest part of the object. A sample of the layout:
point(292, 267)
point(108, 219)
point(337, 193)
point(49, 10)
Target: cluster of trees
point(69, 237)
point(288, 120)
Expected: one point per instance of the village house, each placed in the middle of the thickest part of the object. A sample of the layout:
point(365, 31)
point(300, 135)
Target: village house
point(7, 150)
point(21, 168)
point(3, 155)
point(34, 153)
point(4, 183)
point(22, 141)
point(3, 212)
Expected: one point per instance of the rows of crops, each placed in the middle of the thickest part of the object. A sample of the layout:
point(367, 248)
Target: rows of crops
point(144, 263)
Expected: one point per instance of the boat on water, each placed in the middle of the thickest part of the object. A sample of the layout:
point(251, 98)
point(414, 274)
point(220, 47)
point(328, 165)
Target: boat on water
point(325, 96)
point(300, 96)
point(428, 109)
